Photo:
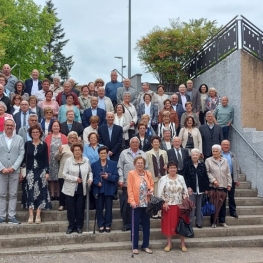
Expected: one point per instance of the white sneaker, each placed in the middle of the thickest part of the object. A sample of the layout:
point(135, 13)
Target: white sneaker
point(213, 225)
point(224, 225)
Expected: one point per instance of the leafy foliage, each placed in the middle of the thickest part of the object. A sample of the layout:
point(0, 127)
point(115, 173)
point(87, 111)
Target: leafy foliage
point(163, 51)
point(60, 64)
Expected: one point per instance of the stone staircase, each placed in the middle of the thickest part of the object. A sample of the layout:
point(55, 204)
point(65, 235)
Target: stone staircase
point(50, 236)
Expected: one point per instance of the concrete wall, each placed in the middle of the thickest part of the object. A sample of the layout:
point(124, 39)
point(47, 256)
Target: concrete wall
point(239, 76)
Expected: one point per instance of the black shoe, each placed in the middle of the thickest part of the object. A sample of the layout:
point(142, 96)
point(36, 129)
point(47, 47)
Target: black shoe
point(115, 197)
point(140, 228)
point(101, 230)
point(198, 226)
point(79, 231)
point(126, 228)
point(69, 231)
point(234, 215)
point(52, 198)
point(107, 230)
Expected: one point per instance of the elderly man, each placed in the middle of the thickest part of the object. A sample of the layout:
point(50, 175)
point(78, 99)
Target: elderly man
point(127, 88)
point(22, 116)
point(11, 79)
point(41, 94)
point(194, 95)
point(146, 90)
point(224, 115)
point(4, 98)
point(182, 96)
point(93, 111)
point(178, 108)
point(178, 155)
point(110, 135)
point(61, 97)
point(125, 164)
point(55, 86)
point(23, 131)
point(211, 134)
point(73, 89)
point(33, 85)
point(234, 170)
point(12, 154)
point(103, 101)
point(3, 81)
point(112, 87)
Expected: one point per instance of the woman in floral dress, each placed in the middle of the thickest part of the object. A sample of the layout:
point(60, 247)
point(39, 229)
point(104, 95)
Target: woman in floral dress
point(37, 174)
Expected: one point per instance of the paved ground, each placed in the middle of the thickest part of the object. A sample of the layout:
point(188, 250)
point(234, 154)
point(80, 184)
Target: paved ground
point(195, 255)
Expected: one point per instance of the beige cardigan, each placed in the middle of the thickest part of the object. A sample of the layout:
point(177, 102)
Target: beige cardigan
point(183, 135)
point(62, 158)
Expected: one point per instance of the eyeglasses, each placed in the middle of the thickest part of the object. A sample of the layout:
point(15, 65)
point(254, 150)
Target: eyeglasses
point(99, 82)
point(17, 99)
point(34, 120)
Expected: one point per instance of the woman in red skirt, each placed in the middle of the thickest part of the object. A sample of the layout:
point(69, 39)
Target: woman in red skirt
point(171, 188)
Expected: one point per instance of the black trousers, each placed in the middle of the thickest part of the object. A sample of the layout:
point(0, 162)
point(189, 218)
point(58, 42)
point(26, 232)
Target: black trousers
point(231, 198)
point(75, 211)
point(104, 202)
point(62, 196)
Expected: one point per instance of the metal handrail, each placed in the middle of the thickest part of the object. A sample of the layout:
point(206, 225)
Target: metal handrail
point(251, 147)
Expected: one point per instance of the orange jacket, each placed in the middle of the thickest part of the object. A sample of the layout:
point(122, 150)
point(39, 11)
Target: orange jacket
point(133, 185)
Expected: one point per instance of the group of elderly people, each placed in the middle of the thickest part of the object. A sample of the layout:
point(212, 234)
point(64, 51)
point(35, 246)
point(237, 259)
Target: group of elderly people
point(159, 152)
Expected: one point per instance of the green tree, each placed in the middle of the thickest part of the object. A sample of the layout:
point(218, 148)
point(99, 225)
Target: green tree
point(3, 38)
point(162, 52)
point(60, 64)
point(26, 32)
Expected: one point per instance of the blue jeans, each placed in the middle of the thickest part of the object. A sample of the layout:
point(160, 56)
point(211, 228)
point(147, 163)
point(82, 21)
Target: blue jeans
point(101, 202)
point(225, 131)
point(140, 216)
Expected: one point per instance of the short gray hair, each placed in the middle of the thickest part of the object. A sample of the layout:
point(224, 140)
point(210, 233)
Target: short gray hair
point(195, 150)
point(134, 138)
point(32, 115)
point(216, 146)
point(2, 104)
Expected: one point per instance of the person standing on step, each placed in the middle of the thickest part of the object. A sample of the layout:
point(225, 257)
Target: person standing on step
point(234, 170)
point(194, 96)
point(12, 154)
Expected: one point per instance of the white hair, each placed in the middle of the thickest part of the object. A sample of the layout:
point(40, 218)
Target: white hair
point(134, 138)
point(216, 146)
point(195, 150)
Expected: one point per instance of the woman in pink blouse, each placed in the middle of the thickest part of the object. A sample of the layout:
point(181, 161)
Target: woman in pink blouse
point(48, 102)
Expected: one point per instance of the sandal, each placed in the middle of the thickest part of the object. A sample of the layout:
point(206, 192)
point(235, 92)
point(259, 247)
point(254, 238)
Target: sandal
point(167, 249)
point(101, 229)
point(135, 251)
point(147, 250)
point(184, 248)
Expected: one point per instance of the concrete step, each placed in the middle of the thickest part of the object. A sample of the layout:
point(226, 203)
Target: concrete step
point(211, 242)
point(42, 239)
point(244, 185)
point(240, 201)
point(61, 226)
point(246, 193)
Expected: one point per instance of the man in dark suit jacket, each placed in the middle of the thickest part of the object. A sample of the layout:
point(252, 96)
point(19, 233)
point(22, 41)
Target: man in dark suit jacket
point(173, 155)
point(21, 117)
point(110, 135)
point(194, 95)
point(211, 134)
point(33, 83)
point(182, 96)
point(93, 111)
point(75, 126)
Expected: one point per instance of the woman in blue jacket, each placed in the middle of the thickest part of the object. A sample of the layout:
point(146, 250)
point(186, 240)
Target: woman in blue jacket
point(105, 176)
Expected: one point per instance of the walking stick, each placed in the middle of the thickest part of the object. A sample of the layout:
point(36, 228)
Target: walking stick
point(132, 230)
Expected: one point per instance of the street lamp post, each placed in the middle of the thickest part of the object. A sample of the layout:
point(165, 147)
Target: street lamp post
point(122, 67)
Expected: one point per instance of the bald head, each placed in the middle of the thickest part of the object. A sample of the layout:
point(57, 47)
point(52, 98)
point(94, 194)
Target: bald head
point(110, 118)
point(6, 70)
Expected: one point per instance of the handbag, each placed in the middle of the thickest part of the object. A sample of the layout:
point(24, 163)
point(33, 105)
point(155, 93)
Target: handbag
point(208, 209)
point(155, 204)
point(184, 229)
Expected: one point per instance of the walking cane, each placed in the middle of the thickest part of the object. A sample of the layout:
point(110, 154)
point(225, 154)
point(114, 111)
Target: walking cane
point(132, 230)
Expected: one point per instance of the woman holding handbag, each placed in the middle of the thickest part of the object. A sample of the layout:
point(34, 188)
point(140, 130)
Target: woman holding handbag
point(197, 181)
point(171, 188)
point(140, 187)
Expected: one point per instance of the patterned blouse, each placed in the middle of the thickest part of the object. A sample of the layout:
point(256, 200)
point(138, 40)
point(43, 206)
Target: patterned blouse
point(172, 190)
point(143, 193)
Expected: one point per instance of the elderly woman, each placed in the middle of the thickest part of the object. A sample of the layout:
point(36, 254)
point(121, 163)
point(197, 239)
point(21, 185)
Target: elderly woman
point(15, 108)
point(220, 178)
point(92, 91)
point(173, 114)
point(130, 113)
point(203, 89)
point(48, 102)
point(197, 182)
point(84, 99)
point(166, 124)
point(56, 87)
point(98, 83)
point(37, 174)
point(47, 121)
point(212, 101)
point(140, 186)
point(150, 109)
point(54, 140)
point(94, 124)
point(105, 176)
point(62, 155)
point(34, 108)
point(145, 140)
point(76, 173)
point(121, 120)
point(62, 114)
point(19, 90)
point(145, 120)
point(3, 116)
point(189, 112)
point(190, 136)
point(161, 97)
point(171, 188)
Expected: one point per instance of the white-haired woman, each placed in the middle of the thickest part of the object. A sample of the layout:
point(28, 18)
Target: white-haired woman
point(197, 182)
point(220, 178)
point(212, 100)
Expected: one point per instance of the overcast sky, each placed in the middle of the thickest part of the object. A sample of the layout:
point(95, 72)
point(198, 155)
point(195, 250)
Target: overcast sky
point(98, 29)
